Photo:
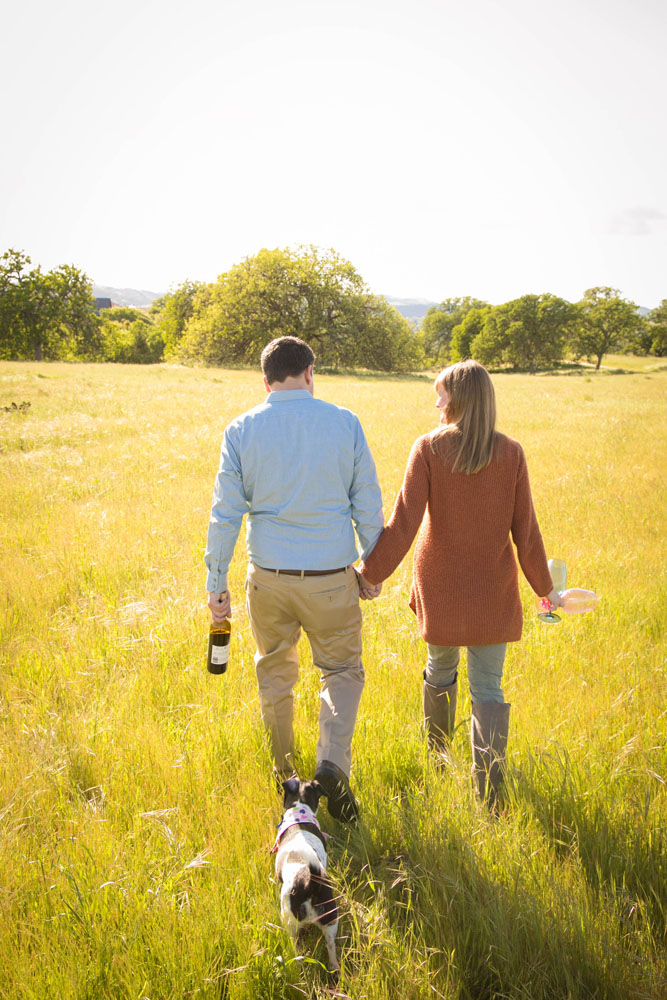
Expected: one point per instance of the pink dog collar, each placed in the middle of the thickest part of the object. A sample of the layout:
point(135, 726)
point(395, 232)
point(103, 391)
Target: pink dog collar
point(298, 815)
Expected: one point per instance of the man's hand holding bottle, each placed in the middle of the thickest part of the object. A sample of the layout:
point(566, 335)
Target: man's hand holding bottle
point(220, 605)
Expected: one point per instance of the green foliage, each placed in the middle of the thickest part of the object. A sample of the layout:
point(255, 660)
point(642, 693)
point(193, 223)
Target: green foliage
point(439, 324)
point(317, 295)
point(306, 293)
point(656, 330)
point(608, 324)
point(45, 315)
point(126, 314)
point(129, 336)
point(172, 313)
point(12, 265)
point(386, 341)
point(465, 333)
point(527, 333)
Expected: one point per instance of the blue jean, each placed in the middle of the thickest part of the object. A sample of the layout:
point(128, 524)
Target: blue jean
point(485, 669)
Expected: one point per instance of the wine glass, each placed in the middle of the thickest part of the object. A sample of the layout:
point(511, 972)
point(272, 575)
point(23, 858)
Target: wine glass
point(559, 576)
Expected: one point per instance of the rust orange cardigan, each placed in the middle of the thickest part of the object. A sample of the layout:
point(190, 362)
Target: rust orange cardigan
point(465, 589)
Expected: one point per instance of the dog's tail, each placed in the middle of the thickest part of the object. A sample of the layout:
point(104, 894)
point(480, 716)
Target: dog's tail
point(301, 892)
point(311, 897)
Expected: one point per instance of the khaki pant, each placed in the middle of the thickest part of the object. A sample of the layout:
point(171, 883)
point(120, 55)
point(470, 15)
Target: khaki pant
point(327, 608)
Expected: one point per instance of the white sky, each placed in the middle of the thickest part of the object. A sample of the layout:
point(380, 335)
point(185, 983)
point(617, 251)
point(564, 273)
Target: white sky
point(444, 147)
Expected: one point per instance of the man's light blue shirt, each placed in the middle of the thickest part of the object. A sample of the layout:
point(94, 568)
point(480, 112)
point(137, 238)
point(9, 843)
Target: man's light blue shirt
point(303, 472)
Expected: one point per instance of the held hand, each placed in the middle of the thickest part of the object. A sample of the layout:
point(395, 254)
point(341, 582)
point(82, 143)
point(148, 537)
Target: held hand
point(220, 605)
point(368, 591)
point(554, 599)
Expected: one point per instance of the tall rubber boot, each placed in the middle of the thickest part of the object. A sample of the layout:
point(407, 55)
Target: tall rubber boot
point(489, 726)
point(439, 716)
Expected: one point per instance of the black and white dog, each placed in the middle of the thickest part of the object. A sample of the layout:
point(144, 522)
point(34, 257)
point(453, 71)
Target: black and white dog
point(301, 865)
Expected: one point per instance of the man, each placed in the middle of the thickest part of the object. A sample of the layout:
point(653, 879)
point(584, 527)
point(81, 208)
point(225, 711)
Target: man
point(302, 471)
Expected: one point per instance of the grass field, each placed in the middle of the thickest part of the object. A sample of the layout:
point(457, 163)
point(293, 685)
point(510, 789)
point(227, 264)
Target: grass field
point(136, 805)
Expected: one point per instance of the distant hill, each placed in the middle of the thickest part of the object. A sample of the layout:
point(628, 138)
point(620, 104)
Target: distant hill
point(414, 309)
point(126, 296)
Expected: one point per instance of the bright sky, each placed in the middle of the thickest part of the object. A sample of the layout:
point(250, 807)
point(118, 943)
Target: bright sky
point(444, 147)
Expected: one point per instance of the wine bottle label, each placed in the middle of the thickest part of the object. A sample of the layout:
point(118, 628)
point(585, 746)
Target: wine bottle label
point(219, 655)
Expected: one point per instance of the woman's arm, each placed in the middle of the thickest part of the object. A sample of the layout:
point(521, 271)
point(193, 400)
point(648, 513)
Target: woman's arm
point(528, 538)
point(403, 525)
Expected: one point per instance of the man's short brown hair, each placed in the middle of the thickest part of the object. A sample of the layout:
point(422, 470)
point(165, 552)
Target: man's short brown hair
point(285, 357)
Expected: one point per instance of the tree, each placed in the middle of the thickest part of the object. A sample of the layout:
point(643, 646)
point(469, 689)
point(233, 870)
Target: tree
point(386, 341)
point(607, 323)
point(80, 327)
point(527, 333)
point(308, 293)
point(656, 328)
point(45, 315)
point(12, 265)
point(439, 324)
point(465, 333)
point(173, 312)
point(130, 337)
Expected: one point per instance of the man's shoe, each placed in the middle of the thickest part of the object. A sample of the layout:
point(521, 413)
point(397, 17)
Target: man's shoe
point(341, 803)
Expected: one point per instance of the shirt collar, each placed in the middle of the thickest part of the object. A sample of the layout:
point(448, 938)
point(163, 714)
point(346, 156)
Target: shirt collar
point(285, 395)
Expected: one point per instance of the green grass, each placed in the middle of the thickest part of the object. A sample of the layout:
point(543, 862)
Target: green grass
point(136, 805)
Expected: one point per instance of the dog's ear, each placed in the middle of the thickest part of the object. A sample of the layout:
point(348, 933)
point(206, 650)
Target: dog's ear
point(291, 789)
point(317, 788)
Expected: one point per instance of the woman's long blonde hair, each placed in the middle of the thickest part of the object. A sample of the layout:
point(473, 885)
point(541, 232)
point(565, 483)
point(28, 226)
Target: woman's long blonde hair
point(470, 415)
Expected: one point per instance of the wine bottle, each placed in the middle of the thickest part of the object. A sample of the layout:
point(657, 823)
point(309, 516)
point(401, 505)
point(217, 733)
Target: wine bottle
point(218, 646)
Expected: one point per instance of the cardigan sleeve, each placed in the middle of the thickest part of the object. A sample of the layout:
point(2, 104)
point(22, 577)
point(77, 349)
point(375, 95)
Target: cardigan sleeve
point(399, 534)
point(526, 534)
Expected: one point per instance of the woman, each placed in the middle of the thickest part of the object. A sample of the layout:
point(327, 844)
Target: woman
point(467, 486)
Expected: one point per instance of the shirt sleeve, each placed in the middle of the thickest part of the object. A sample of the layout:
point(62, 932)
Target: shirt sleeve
point(365, 495)
point(229, 505)
point(405, 520)
point(526, 535)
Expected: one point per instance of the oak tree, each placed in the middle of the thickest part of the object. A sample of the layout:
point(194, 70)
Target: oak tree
point(439, 323)
point(45, 314)
point(308, 293)
point(607, 324)
point(527, 333)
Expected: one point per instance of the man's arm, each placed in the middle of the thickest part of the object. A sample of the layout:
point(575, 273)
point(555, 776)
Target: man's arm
point(229, 505)
point(365, 495)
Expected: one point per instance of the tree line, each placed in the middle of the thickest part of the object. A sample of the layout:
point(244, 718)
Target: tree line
point(539, 331)
point(317, 295)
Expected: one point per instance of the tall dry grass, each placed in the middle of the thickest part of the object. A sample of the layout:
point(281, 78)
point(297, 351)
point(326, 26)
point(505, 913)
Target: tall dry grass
point(136, 806)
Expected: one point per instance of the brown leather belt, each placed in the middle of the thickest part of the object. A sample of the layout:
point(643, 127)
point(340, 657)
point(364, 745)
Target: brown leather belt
point(302, 572)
